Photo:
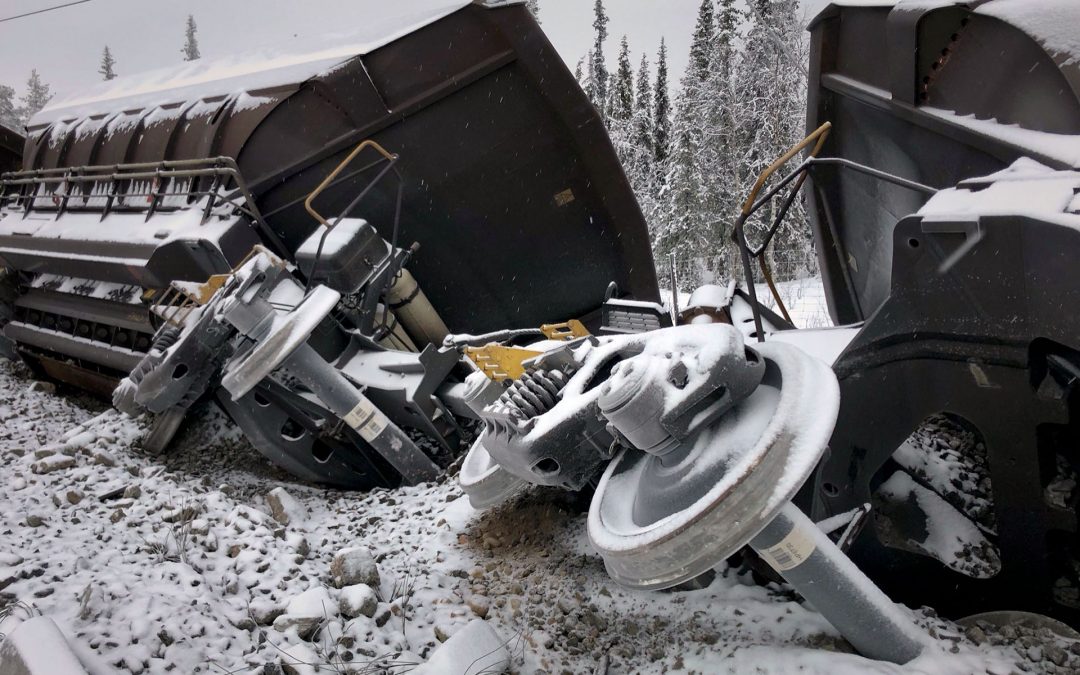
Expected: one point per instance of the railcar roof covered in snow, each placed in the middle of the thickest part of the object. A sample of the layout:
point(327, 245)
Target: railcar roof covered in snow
point(252, 71)
point(1051, 23)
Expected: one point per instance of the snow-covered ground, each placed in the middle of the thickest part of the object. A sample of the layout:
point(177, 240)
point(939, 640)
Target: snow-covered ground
point(804, 299)
point(175, 564)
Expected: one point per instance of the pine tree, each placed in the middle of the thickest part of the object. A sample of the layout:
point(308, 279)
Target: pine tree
point(643, 110)
point(597, 83)
point(579, 70)
point(621, 107)
point(727, 182)
point(106, 69)
point(9, 116)
point(534, 8)
point(770, 85)
point(702, 43)
point(191, 40)
point(641, 169)
point(687, 216)
point(661, 117)
point(36, 97)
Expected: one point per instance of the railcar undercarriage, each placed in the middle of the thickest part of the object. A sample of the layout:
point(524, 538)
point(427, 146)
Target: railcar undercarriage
point(453, 296)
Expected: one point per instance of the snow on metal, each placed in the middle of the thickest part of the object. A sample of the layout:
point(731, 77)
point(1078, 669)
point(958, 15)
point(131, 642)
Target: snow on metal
point(1051, 22)
point(239, 73)
point(1026, 187)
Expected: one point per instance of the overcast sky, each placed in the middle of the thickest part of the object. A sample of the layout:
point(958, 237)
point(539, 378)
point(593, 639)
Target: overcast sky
point(65, 45)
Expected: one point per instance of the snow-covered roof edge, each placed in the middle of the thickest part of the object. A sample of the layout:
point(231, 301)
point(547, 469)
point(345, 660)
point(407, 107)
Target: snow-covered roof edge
point(1051, 23)
point(263, 69)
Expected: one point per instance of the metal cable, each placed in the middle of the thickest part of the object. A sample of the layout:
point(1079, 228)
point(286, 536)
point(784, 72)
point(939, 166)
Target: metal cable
point(464, 340)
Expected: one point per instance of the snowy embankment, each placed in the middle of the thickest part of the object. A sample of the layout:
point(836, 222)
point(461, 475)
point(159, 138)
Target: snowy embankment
point(182, 564)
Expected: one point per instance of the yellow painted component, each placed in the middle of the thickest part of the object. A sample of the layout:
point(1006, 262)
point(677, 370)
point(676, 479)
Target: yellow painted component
point(817, 138)
point(499, 362)
point(334, 174)
point(569, 330)
point(181, 297)
point(212, 285)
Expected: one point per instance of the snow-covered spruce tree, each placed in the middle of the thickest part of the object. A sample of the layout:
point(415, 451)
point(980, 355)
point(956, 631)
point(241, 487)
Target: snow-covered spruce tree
point(702, 43)
point(630, 128)
point(534, 8)
point(36, 97)
point(9, 115)
point(107, 68)
point(726, 185)
point(661, 116)
point(685, 226)
point(191, 40)
point(596, 84)
point(642, 172)
point(643, 111)
point(621, 105)
point(770, 86)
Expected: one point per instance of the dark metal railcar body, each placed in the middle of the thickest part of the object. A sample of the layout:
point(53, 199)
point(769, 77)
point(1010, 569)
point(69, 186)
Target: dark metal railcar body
point(963, 312)
point(512, 188)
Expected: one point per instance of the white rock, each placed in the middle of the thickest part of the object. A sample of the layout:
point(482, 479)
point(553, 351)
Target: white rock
point(476, 648)
point(300, 660)
point(358, 599)
point(285, 508)
point(265, 611)
point(312, 602)
point(306, 611)
point(354, 565)
point(52, 463)
point(45, 387)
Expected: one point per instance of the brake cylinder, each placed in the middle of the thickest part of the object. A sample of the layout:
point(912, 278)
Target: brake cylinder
point(412, 307)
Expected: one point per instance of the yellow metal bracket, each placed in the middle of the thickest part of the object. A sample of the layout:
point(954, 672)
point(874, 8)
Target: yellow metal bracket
point(180, 298)
point(569, 330)
point(499, 362)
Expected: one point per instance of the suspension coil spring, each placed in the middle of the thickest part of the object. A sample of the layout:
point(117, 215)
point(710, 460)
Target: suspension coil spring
point(166, 337)
point(535, 392)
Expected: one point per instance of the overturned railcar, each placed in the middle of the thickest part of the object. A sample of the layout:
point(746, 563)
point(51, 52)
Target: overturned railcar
point(940, 172)
point(509, 186)
point(963, 300)
point(11, 147)
point(251, 229)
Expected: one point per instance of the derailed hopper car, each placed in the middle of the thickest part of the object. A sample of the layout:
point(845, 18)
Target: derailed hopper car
point(511, 187)
point(959, 413)
point(941, 167)
point(11, 146)
point(505, 197)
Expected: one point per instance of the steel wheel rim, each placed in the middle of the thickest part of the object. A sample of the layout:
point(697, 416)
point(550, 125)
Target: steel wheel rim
point(483, 481)
point(684, 545)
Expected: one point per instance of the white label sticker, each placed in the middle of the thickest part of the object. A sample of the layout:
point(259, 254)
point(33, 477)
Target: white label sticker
point(358, 415)
point(368, 420)
point(374, 426)
point(791, 551)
